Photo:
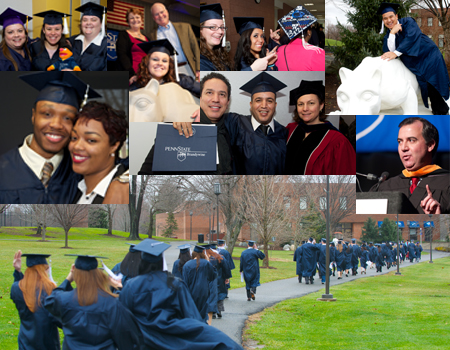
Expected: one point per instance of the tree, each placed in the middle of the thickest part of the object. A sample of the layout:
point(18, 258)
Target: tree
point(365, 39)
point(67, 216)
point(370, 231)
point(98, 218)
point(137, 190)
point(171, 225)
point(388, 230)
point(4, 207)
point(313, 223)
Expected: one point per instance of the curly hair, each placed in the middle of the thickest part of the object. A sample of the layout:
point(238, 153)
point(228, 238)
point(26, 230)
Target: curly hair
point(218, 55)
point(114, 121)
point(243, 50)
point(8, 55)
point(144, 75)
point(322, 116)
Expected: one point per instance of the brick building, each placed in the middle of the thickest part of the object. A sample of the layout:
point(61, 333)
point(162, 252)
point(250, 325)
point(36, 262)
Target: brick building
point(430, 26)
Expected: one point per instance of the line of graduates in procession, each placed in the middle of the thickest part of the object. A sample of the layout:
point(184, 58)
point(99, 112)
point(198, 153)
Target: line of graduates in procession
point(346, 256)
point(143, 307)
point(85, 51)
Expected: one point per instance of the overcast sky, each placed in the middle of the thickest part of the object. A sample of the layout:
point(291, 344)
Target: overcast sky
point(335, 10)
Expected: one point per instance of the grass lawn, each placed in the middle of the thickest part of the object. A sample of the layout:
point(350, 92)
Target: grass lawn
point(382, 312)
point(332, 42)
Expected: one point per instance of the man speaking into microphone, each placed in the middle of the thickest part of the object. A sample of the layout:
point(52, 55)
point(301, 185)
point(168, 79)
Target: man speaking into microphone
point(425, 184)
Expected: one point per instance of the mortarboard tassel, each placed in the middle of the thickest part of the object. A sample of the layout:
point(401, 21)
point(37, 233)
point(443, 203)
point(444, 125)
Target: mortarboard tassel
point(65, 26)
point(382, 28)
point(26, 28)
point(176, 65)
point(224, 39)
point(103, 22)
point(85, 98)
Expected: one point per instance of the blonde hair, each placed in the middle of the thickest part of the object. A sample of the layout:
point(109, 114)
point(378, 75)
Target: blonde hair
point(89, 284)
point(35, 279)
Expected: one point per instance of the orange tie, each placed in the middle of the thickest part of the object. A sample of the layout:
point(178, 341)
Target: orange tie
point(414, 182)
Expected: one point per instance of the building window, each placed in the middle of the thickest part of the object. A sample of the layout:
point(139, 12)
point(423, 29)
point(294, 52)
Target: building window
point(303, 204)
point(287, 202)
point(430, 21)
point(343, 203)
point(345, 228)
point(323, 203)
point(419, 22)
point(413, 233)
point(441, 40)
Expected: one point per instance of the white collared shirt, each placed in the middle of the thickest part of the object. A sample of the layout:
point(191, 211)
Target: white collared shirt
point(170, 34)
point(35, 161)
point(100, 189)
point(97, 40)
point(256, 125)
point(391, 45)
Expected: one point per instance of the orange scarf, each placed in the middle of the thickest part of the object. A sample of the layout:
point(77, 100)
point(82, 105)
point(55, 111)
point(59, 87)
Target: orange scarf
point(422, 171)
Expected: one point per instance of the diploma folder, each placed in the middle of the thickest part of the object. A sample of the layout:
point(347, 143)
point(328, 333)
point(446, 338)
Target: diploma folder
point(180, 154)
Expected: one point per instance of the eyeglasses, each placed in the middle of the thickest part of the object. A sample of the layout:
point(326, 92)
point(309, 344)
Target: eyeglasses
point(216, 28)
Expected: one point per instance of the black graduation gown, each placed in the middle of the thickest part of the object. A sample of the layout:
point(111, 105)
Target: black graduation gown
point(19, 185)
point(41, 60)
point(298, 260)
point(253, 152)
point(309, 261)
point(39, 329)
point(250, 266)
point(93, 58)
point(202, 284)
point(167, 315)
point(104, 325)
point(422, 57)
point(23, 63)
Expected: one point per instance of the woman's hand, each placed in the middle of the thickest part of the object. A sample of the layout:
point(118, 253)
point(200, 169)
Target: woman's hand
point(17, 262)
point(274, 59)
point(261, 63)
point(132, 79)
point(70, 275)
point(275, 36)
point(116, 283)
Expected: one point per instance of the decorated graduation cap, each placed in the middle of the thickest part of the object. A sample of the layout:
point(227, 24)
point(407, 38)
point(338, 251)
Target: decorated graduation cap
point(245, 23)
point(92, 9)
point(10, 16)
point(263, 82)
point(307, 87)
point(199, 249)
point(296, 21)
point(162, 45)
point(152, 250)
point(52, 17)
point(131, 249)
point(184, 248)
point(60, 87)
point(86, 262)
point(386, 7)
point(36, 259)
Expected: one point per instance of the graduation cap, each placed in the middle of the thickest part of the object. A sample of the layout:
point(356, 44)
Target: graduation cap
point(311, 239)
point(212, 11)
point(60, 87)
point(296, 21)
point(36, 259)
point(206, 246)
point(370, 242)
point(132, 245)
point(261, 83)
point(324, 240)
point(220, 241)
point(387, 7)
point(10, 16)
point(353, 240)
point(152, 250)
point(213, 246)
point(184, 248)
point(164, 46)
point(307, 87)
point(52, 17)
point(332, 243)
point(199, 249)
point(86, 262)
point(245, 23)
point(251, 243)
point(92, 9)
point(303, 242)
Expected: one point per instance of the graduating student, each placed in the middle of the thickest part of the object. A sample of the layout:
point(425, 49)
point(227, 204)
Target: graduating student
point(91, 316)
point(89, 47)
point(38, 328)
point(298, 260)
point(412, 251)
point(356, 254)
point(166, 313)
point(183, 258)
point(250, 268)
point(348, 254)
point(364, 259)
point(309, 260)
point(379, 259)
point(322, 260)
point(222, 250)
point(129, 267)
point(340, 258)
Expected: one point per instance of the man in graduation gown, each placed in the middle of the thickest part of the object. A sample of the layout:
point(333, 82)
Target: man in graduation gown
point(250, 268)
point(426, 185)
point(322, 259)
point(298, 260)
point(356, 255)
point(309, 260)
point(412, 251)
point(419, 54)
point(224, 252)
point(40, 171)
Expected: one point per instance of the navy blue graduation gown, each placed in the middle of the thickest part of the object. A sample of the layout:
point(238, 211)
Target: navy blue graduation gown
point(332, 254)
point(355, 255)
point(250, 266)
point(298, 260)
point(419, 251)
point(229, 258)
point(422, 57)
point(364, 258)
point(167, 315)
point(23, 63)
point(309, 260)
point(116, 268)
point(322, 259)
point(379, 259)
point(202, 284)
point(348, 256)
point(373, 253)
point(175, 270)
point(93, 58)
point(41, 60)
point(412, 250)
point(39, 329)
point(253, 152)
point(340, 258)
point(19, 185)
point(104, 325)
point(223, 273)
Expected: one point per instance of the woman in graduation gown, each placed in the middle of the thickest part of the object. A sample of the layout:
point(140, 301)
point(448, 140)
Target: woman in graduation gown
point(166, 313)
point(14, 53)
point(38, 328)
point(183, 258)
point(315, 146)
point(89, 47)
point(158, 64)
point(45, 49)
point(98, 134)
point(340, 258)
point(92, 317)
point(213, 56)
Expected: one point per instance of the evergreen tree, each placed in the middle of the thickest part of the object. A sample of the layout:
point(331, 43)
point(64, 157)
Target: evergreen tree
point(370, 231)
point(171, 225)
point(363, 39)
point(97, 217)
point(313, 224)
point(388, 230)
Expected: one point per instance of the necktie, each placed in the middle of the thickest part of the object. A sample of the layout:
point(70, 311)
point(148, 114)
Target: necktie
point(265, 129)
point(414, 182)
point(46, 173)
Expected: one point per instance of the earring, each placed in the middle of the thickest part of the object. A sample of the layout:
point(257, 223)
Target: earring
point(112, 154)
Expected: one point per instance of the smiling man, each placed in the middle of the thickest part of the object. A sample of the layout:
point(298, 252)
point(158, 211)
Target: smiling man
point(40, 171)
point(425, 184)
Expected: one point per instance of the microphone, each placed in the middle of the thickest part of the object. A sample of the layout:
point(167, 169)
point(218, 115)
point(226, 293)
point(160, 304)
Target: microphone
point(382, 178)
point(369, 176)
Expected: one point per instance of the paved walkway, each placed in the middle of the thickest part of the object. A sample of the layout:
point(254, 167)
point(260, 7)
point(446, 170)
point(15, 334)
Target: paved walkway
point(238, 309)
